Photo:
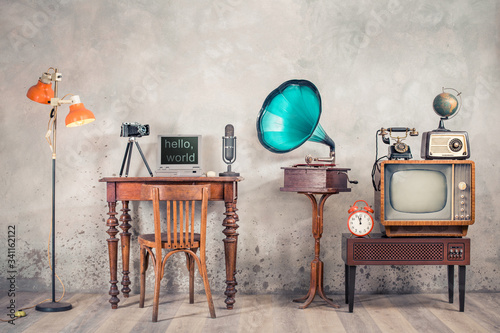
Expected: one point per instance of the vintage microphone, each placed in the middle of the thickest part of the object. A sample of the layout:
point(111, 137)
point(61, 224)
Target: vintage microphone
point(229, 151)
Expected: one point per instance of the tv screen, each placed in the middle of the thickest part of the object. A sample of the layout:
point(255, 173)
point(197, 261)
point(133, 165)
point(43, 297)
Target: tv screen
point(418, 191)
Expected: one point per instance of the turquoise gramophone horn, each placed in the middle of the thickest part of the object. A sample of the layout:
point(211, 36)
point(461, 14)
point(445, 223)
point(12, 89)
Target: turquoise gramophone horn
point(290, 116)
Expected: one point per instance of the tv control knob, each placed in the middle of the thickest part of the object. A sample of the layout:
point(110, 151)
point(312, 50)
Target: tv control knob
point(462, 202)
point(462, 186)
point(462, 196)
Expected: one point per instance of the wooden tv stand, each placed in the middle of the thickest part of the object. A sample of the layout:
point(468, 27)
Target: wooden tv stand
point(382, 250)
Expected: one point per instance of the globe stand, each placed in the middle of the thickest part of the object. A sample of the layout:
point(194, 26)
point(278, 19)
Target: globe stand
point(441, 127)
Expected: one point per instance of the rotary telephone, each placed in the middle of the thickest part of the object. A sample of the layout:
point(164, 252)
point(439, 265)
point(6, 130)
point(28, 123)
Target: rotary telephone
point(399, 149)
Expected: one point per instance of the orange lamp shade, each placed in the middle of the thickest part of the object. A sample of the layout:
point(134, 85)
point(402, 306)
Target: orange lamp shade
point(78, 115)
point(41, 92)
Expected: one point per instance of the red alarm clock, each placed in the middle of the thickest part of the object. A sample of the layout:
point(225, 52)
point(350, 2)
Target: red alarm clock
point(360, 222)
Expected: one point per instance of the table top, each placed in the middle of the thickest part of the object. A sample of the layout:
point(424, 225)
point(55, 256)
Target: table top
point(169, 179)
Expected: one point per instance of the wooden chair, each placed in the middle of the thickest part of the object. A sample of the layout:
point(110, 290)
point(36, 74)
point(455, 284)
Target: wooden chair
point(181, 236)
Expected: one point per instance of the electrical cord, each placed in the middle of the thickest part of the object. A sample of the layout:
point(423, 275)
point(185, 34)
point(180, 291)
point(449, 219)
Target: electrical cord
point(45, 300)
point(376, 166)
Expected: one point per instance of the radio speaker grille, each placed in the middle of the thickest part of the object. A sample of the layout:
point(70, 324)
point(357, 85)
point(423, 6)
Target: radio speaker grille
point(440, 141)
point(405, 251)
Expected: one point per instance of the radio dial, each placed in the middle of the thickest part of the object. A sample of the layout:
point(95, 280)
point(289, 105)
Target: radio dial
point(455, 144)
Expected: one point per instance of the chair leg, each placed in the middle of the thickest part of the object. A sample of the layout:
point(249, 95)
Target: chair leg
point(144, 256)
point(190, 267)
point(158, 276)
point(204, 275)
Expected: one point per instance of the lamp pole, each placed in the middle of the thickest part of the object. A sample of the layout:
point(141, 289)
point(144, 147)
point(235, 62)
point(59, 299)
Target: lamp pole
point(54, 306)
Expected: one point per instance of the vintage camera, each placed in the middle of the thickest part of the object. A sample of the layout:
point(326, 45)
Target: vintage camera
point(134, 130)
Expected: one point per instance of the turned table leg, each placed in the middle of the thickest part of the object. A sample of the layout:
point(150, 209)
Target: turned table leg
point(125, 242)
point(112, 222)
point(230, 248)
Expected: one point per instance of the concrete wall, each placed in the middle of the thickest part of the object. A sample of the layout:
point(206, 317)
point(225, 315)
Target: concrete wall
point(195, 66)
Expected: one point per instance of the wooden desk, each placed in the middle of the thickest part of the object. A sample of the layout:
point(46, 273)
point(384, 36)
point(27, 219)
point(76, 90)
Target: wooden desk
point(127, 189)
point(381, 250)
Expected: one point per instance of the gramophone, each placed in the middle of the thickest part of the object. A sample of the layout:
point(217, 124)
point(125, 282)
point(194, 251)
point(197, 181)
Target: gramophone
point(288, 118)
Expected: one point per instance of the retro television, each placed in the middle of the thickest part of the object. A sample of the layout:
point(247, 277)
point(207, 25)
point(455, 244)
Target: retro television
point(179, 156)
point(427, 198)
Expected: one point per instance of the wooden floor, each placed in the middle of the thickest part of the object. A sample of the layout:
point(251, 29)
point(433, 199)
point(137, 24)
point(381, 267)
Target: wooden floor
point(263, 313)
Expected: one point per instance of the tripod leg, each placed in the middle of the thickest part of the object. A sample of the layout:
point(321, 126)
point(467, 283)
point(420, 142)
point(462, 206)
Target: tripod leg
point(143, 158)
point(129, 158)
point(129, 147)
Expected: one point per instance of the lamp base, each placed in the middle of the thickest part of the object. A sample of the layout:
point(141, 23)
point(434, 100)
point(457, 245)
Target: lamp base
point(229, 174)
point(53, 307)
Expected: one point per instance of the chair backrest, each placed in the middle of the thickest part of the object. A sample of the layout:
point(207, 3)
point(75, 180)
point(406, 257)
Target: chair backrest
point(180, 213)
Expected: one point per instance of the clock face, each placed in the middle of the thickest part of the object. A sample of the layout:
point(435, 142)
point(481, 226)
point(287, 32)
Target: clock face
point(360, 223)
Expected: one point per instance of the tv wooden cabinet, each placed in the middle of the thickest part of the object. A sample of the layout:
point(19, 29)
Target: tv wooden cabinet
point(381, 250)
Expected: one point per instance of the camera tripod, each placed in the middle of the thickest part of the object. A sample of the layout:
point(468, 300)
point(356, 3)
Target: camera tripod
point(128, 155)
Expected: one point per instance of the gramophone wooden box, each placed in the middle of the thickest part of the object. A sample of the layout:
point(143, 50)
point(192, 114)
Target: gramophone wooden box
point(315, 179)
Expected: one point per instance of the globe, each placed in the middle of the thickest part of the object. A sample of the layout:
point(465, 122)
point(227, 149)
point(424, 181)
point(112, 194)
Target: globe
point(445, 105)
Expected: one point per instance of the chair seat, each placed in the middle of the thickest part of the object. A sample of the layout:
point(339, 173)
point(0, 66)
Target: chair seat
point(149, 240)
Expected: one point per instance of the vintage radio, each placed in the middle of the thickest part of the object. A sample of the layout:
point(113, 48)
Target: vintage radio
point(445, 145)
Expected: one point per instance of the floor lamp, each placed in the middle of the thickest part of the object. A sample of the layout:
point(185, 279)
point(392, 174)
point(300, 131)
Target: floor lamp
point(43, 93)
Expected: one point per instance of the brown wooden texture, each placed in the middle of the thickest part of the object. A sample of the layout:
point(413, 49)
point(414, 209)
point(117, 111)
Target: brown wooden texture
point(312, 182)
point(381, 250)
point(127, 189)
point(315, 179)
point(183, 234)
